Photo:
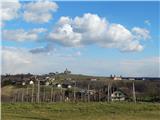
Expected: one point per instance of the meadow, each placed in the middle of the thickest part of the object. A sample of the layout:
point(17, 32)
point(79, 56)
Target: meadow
point(81, 111)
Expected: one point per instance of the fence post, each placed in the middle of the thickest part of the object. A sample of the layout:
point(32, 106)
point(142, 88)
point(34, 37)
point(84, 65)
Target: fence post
point(108, 92)
point(32, 93)
point(22, 94)
point(44, 94)
point(74, 95)
point(51, 93)
point(134, 93)
point(38, 91)
point(88, 93)
point(27, 94)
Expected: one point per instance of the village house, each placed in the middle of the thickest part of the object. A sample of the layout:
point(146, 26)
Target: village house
point(131, 78)
point(117, 78)
point(93, 79)
point(118, 96)
point(67, 72)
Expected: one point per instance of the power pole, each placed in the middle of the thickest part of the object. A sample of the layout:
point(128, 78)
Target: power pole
point(134, 93)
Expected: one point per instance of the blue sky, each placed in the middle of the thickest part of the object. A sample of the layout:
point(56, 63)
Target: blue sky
point(130, 46)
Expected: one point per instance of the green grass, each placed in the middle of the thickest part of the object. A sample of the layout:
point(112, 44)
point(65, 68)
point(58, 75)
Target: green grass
point(80, 111)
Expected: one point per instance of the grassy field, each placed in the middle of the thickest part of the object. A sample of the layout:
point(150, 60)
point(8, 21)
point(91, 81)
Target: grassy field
point(80, 111)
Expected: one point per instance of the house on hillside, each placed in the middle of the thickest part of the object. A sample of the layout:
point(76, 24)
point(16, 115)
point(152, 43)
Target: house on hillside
point(131, 78)
point(93, 79)
point(118, 96)
point(117, 78)
point(114, 77)
point(67, 72)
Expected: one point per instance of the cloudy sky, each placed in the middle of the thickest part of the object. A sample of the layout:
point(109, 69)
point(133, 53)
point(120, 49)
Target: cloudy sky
point(94, 38)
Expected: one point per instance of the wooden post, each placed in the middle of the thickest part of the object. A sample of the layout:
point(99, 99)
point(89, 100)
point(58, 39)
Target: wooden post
point(22, 95)
point(74, 95)
point(19, 97)
point(88, 93)
point(53, 97)
point(44, 94)
point(61, 95)
point(108, 92)
point(32, 93)
point(81, 96)
point(15, 97)
point(99, 95)
point(134, 93)
point(38, 91)
point(27, 94)
point(51, 93)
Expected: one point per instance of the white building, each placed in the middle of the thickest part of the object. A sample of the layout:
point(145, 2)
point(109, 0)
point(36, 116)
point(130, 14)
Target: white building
point(118, 96)
point(117, 78)
point(31, 82)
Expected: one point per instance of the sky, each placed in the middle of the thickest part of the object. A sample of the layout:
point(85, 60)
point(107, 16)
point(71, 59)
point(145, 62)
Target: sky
point(92, 38)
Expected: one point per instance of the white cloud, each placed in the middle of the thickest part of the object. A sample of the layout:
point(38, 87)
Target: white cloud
point(92, 29)
point(47, 49)
point(66, 36)
point(22, 35)
point(20, 60)
point(78, 53)
point(9, 10)
point(40, 11)
point(141, 33)
point(149, 67)
point(14, 60)
point(147, 22)
point(132, 46)
point(117, 36)
point(38, 30)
